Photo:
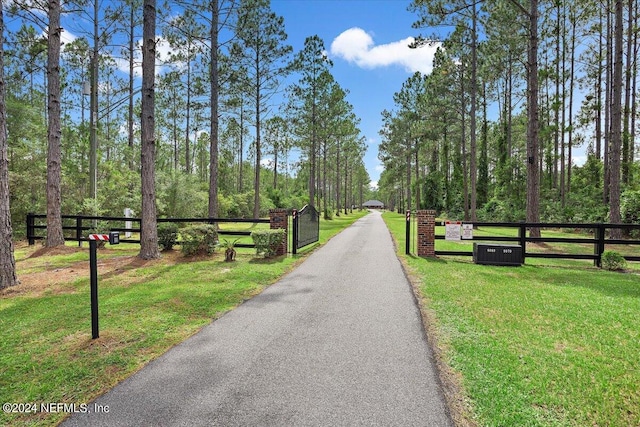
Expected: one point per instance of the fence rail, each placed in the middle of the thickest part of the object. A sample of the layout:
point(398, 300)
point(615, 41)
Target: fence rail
point(599, 239)
point(75, 227)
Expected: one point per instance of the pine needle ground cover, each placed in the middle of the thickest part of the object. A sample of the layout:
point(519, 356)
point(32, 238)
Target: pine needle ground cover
point(538, 345)
point(146, 307)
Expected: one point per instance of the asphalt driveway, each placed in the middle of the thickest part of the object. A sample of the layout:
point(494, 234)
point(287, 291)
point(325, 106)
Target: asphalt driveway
point(337, 342)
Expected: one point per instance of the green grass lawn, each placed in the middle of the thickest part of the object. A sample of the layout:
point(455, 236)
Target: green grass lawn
point(46, 351)
point(538, 345)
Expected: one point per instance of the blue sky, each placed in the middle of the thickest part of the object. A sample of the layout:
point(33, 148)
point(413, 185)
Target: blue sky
point(367, 41)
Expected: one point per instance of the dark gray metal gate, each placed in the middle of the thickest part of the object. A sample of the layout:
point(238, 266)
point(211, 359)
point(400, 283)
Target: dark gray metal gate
point(306, 227)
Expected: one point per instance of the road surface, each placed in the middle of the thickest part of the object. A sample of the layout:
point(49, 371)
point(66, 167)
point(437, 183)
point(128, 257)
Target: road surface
point(337, 342)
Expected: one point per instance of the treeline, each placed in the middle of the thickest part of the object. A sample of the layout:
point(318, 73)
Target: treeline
point(491, 134)
point(286, 134)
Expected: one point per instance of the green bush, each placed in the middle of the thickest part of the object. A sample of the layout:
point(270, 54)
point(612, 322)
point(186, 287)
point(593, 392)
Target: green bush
point(613, 261)
point(199, 239)
point(167, 235)
point(267, 241)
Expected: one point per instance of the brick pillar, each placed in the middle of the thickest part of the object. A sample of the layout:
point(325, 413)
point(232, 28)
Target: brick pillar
point(427, 233)
point(279, 219)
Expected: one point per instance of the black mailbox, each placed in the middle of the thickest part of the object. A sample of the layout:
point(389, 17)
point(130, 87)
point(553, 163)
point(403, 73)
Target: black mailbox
point(491, 254)
point(114, 238)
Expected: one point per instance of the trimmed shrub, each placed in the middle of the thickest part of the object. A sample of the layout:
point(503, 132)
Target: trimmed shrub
point(267, 241)
point(199, 239)
point(167, 235)
point(613, 261)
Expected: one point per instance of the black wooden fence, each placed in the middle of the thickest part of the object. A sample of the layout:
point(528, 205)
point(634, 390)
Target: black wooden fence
point(77, 227)
point(599, 240)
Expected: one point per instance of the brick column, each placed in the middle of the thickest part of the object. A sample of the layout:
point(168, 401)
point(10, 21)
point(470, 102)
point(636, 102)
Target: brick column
point(426, 233)
point(279, 219)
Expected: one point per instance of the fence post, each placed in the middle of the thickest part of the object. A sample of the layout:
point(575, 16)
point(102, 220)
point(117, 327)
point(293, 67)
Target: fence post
point(278, 219)
point(30, 231)
point(93, 273)
point(522, 234)
point(599, 244)
point(407, 246)
point(79, 230)
point(426, 233)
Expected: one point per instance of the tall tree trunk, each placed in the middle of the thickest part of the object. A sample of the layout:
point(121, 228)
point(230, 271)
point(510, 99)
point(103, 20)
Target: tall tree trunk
point(241, 148)
point(93, 106)
point(483, 163)
point(598, 92)
point(213, 137)
point(149, 233)
point(417, 168)
point(571, 88)
point(131, 80)
point(556, 108)
point(55, 236)
point(607, 107)
point(325, 207)
point(634, 103)
point(627, 161)
point(174, 116)
point(346, 183)
point(338, 178)
point(7, 259)
point(407, 189)
point(187, 136)
point(473, 168)
point(275, 164)
point(562, 126)
point(256, 182)
point(312, 157)
point(533, 177)
point(616, 123)
point(463, 145)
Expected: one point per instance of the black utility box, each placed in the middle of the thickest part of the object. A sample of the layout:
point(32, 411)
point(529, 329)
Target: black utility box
point(490, 254)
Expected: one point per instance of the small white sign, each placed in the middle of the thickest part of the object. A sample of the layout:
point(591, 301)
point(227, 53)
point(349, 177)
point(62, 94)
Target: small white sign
point(467, 231)
point(452, 230)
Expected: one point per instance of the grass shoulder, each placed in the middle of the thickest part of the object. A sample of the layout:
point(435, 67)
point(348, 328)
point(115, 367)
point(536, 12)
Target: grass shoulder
point(538, 345)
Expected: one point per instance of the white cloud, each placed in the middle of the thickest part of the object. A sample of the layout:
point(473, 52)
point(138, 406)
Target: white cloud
point(579, 160)
point(163, 51)
point(66, 37)
point(357, 46)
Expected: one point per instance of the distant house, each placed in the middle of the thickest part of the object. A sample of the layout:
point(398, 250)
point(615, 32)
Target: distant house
point(373, 204)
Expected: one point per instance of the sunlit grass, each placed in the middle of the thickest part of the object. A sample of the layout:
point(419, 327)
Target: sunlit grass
point(537, 345)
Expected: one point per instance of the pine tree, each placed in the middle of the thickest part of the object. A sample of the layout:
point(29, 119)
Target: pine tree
point(7, 259)
point(149, 233)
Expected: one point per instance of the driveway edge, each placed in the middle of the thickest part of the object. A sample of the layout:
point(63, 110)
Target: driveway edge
point(449, 380)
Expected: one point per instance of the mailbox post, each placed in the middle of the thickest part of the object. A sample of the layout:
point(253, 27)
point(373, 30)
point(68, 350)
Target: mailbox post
point(113, 238)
